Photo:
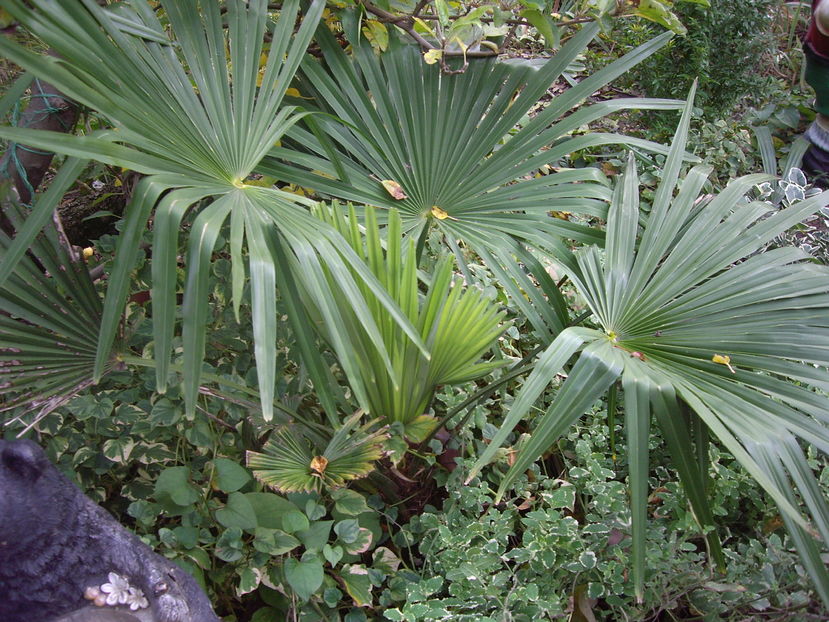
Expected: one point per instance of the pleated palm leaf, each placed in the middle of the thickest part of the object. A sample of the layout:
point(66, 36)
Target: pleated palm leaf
point(457, 324)
point(48, 334)
point(709, 336)
point(430, 145)
point(195, 112)
point(288, 462)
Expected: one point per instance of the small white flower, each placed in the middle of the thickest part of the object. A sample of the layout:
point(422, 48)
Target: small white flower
point(136, 599)
point(97, 185)
point(117, 590)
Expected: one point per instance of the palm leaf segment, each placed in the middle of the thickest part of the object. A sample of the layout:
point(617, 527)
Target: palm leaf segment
point(48, 332)
point(457, 324)
point(707, 336)
point(196, 114)
point(441, 139)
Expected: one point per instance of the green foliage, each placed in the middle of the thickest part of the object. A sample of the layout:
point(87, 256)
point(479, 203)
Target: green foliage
point(726, 49)
point(702, 319)
point(433, 146)
point(213, 117)
point(47, 330)
point(562, 542)
point(457, 324)
point(181, 486)
point(289, 465)
point(669, 333)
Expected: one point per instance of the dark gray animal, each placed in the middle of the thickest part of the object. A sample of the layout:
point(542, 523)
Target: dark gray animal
point(55, 543)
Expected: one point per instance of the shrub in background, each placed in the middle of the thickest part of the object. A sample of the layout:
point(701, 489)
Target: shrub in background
point(726, 49)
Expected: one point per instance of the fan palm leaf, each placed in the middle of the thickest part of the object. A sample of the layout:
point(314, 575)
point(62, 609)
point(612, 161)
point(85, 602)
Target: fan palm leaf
point(195, 111)
point(708, 336)
point(47, 332)
point(289, 464)
point(438, 141)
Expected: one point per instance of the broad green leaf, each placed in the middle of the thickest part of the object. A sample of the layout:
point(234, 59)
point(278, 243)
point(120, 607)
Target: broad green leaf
point(173, 485)
point(238, 512)
point(229, 476)
point(304, 576)
point(349, 502)
point(357, 583)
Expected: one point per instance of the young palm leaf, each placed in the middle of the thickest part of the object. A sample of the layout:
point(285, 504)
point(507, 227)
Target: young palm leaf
point(457, 324)
point(289, 464)
point(195, 113)
point(430, 145)
point(708, 336)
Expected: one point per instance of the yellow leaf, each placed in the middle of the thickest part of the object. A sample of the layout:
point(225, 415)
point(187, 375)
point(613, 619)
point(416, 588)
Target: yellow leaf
point(318, 464)
point(422, 27)
point(439, 213)
point(723, 359)
point(394, 189)
point(377, 34)
point(432, 56)
point(292, 92)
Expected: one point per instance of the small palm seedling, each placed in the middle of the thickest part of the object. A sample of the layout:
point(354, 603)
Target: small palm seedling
point(457, 324)
point(288, 463)
point(709, 337)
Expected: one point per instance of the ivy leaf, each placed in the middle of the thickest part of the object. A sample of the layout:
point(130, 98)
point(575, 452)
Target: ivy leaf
point(315, 537)
point(237, 513)
point(229, 476)
point(333, 554)
point(165, 413)
point(347, 530)
point(357, 584)
point(229, 545)
point(249, 579)
point(294, 521)
point(270, 508)
point(349, 502)
point(119, 449)
point(173, 488)
point(304, 576)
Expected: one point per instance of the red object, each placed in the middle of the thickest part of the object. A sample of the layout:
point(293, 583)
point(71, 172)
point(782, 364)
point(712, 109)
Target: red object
point(818, 41)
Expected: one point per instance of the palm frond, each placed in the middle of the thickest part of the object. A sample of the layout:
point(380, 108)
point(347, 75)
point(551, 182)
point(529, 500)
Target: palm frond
point(461, 148)
point(457, 324)
point(705, 331)
point(48, 329)
point(288, 463)
point(192, 108)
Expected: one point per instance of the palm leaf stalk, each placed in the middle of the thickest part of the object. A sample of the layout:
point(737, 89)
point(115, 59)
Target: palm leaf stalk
point(195, 112)
point(709, 337)
point(459, 152)
point(457, 324)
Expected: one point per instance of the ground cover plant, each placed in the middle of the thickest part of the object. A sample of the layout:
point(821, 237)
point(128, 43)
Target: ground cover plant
point(420, 310)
